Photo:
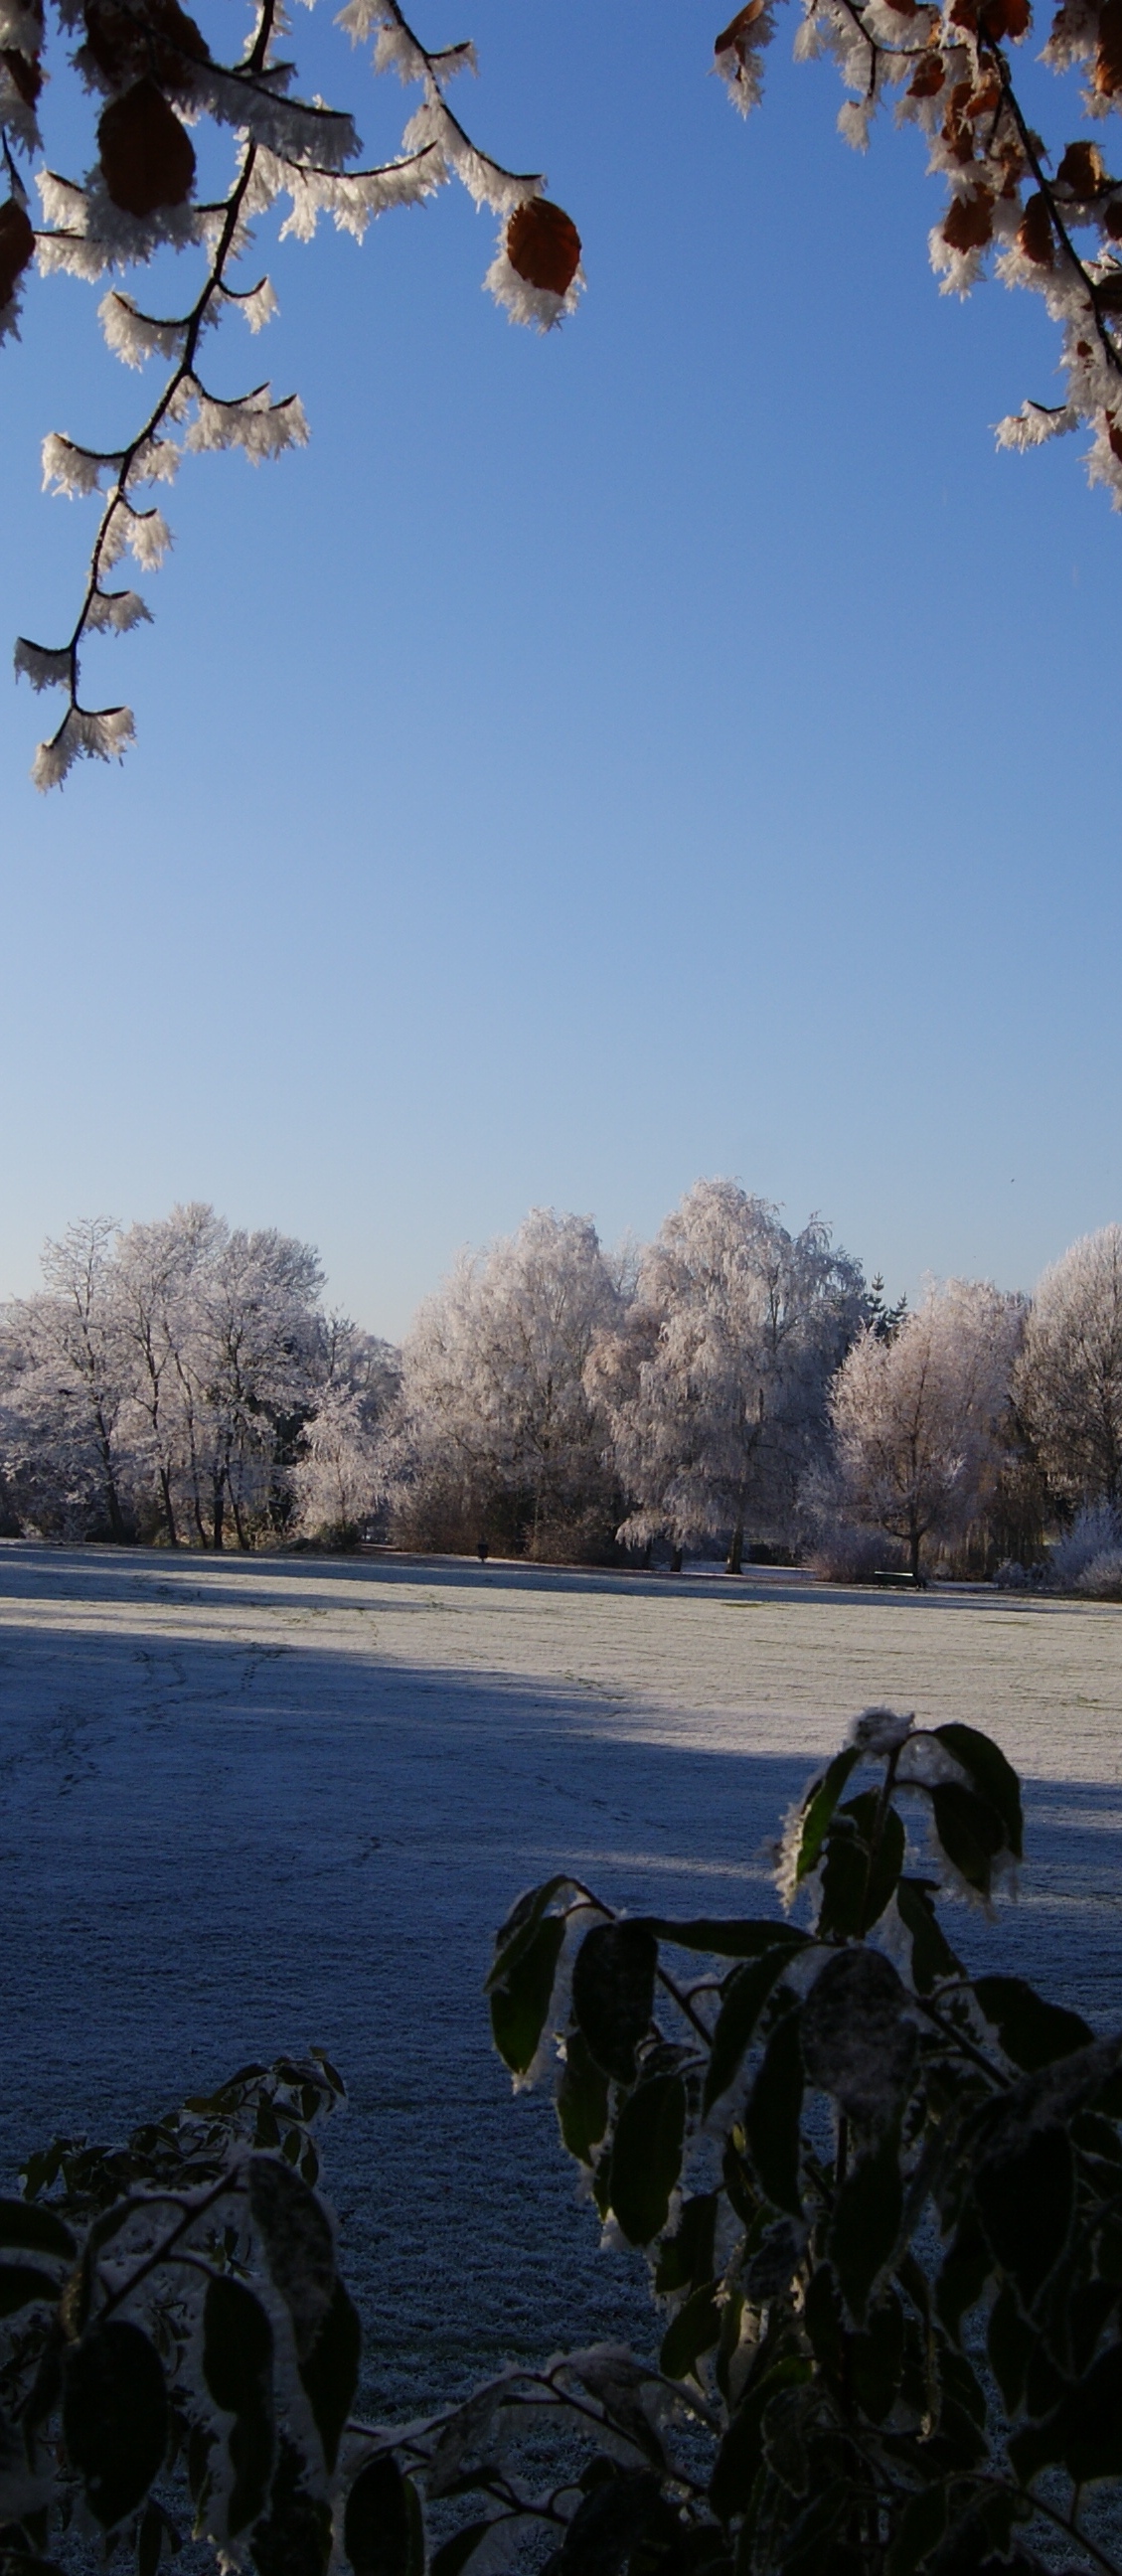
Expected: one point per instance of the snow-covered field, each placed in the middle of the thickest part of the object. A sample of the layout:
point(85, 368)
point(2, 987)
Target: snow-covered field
point(255, 1804)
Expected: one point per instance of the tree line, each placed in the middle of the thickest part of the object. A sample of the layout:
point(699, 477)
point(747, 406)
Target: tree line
point(730, 1386)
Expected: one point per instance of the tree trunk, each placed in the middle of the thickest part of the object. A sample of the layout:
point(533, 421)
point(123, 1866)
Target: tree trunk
point(915, 1548)
point(734, 1562)
point(169, 1508)
point(219, 1504)
point(239, 1525)
point(676, 1561)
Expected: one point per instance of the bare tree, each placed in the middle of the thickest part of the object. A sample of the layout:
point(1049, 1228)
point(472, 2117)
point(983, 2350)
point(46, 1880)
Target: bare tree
point(67, 1376)
point(1069, 1379)
point(918, 1418)
point(715, 1385)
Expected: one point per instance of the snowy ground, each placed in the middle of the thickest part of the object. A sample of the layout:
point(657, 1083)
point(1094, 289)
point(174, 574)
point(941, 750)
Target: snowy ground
point(252, 1805)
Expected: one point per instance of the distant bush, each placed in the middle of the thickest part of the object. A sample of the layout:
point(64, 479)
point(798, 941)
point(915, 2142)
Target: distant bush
point(1095, 1532)
point(845, 1553)
point(1102, 1578)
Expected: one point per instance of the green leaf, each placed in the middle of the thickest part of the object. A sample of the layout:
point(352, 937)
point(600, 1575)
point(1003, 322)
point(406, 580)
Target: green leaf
point(647, 2156)
point(741, 2451)
point(823, 2319)
point(920, 2530)
point(932, 1955)
point(970, 1831)
point(20, 2283)
point(299, 2246)
point(582, 2099)
point(771, 2119)
point(115, 2418)
point(238, 2370)
point(35, 2229)
point(521, 1924)
point(1033, 2033)
point(1026, 2202)
point(744, 1998)
point(992, 1776)
point(844, 1879)
point(819, 1807)
point(330, 2372)
point(613, 1993)
point(749, 1939)
point(379, 2525)
point(694, 2330)
point(149, 2540)
point(686, 2259)
point(868, 2213)
point(520, 2002)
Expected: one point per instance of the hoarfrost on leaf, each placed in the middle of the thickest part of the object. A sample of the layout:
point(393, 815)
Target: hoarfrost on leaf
point(115, 612)
point(44, 667)
point(104, 736)
point(880, 1730)
point(532, 305)
point(75, 470)
point(260, 427)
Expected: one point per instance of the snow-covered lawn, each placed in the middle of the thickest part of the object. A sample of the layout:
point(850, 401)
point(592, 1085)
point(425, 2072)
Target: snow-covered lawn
point(255, 1804)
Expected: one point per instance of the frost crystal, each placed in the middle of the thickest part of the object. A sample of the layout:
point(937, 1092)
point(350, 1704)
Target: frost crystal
point(135, 336)
point(74, 470)
point(262, 428)
point(1034, 423)
point(526, 303)
point(114, 612)
point(44, 668)
point(105, 736)
point(880, 1730)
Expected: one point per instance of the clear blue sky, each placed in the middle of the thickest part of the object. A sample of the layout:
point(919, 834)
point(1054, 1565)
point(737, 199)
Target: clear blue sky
point(678, 746)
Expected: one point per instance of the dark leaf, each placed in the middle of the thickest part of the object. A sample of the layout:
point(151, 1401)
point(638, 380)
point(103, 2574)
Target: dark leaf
point(963, 2276)
point(238, 2370)
point(819, 1807)
point(455, 2553)
point(378, 2525)
point(294, 2537)
point(1025, 2199)
point(543, 244)
point(776, 2259)
point(521, 1924)
point(970, 1831)
point(808, 2543)
point(149, 2541)
point(647, 2156)
point(115, 2417)
point(771, 2120)
point(35, 2229)
point(521, 1994)
point(866, 2222)
point(992, 1775)
point(1009, 2345)
point(932, 1956)
point(920, 2529)
point(1033, 2033)
point(299, 2246)
point(741, 2452)
point(856, 2043)
point(744, 1998)
point(694, 2330)
point(1084, 2430)
point(582, 2099)
point(878, 2356)
point(330, 2372)
point(686, 2259)
point(21, 2283)
point(613, 1993)
point(147, 157)
point(749, 1939)
point(823, 2318)
point(606, 2527)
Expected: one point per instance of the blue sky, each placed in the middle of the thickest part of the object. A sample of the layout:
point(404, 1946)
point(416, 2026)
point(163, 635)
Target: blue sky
point(673, 747)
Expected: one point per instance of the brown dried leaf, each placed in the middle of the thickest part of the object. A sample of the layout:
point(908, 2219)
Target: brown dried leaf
point(969, 222)
point(1114, 434)
point(1107, 73)
point(543, 244)
point(1035, 235)
point(127, 43)
point(1112, 219)
point(731, 38)
point(983, 100)
point(928, 77)
point(147, 157)
point(1000, 19)
point(1082, 169)
point(1108, 293)
point(17, 247)
point(24, 71)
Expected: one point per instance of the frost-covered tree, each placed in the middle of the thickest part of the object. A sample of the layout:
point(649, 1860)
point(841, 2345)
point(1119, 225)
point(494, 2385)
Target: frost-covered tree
point(66, 1374)
point(498, 1437)
point(715, 1382)
point(245, 1368)
point(1069, 1379)
point(153, 71)
point(156, 1271)
point(919, 1419)
point(339, 1477)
